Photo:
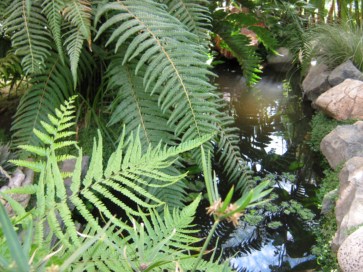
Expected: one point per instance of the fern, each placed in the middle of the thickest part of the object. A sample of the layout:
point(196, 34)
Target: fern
point(134, 107)
point(175, 62)
point(238, 44)
point(9, 66)
point(78, 14)
point(194, 14)
point(48, 90)
point(52, 10)
point(26, 26)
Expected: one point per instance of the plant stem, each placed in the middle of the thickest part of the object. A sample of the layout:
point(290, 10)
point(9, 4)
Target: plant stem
point(206, 243)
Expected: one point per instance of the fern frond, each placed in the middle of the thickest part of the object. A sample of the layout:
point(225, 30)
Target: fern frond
point(176, 64)
point(29, 35)
point(48, 90)
point(238, 44)
point(78, 14)
point(194, 14)
point(229, 153)
point(9, 66)
point(132, 106)
point(52, 10)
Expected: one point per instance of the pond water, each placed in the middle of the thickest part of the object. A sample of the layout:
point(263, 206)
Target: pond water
point(274, 126)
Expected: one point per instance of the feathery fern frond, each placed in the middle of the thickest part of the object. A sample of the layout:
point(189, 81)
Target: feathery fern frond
point(246, 55)
point(176, 63)
point(134, 107)
point(194, 14)
point(48, 90)
point(78, 14)
point(52, 10)
point(29, 34)
point(53, 137)
point(9, 65)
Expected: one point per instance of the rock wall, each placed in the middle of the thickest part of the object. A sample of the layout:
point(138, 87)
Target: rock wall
point(339, 94)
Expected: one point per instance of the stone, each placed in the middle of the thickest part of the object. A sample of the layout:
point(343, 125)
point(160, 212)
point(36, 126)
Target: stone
point(343, 143)
point(316, 82)
point(282, 61)
point(349, 206)
point(344, 101)
point(344, 71)
point(350, 254)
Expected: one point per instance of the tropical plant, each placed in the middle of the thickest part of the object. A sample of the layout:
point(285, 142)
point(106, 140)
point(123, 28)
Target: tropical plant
point(334, 44)
point(74, 223)
point(145, 61)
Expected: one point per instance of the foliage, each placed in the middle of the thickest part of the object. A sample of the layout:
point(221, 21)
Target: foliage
point(334, 44)
point(141, 237)
point(326, 229)
point(142, 64)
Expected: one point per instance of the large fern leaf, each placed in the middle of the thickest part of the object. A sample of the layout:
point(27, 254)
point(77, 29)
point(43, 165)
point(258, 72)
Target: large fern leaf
point(132, 106)
point(52, 10)
point(48, 90)
point(194, 14)
point(78, 14)
point(176, 65)
point(27, 27)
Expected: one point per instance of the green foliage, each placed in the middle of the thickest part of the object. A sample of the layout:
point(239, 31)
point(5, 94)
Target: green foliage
point(153, 242)
point(334, 44)
point(25, 24)
point(321, 125)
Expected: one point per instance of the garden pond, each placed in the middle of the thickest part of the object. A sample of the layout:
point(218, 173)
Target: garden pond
point(274, 126)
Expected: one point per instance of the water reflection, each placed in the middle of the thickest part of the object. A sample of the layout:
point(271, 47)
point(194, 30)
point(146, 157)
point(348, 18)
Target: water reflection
point(273, 125)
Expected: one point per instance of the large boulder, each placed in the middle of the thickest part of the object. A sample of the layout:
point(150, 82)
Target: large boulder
point(282, 61)
point(343, 143)
point(344, 71)
point(350, 254)
point(349, 206)
point(316, 82)
point(344, 101)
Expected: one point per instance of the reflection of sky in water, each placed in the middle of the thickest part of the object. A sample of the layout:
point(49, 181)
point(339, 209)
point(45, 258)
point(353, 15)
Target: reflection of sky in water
point(269, 255)
point(277, 145)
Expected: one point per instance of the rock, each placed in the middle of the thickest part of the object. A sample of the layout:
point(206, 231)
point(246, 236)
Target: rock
point(344, 101)
point(350, 254)
point(329, 202)
point(344, 71)
point(281, 62)
point(21, 177)
point(316, 82)
point(349, 206)
point(343, 143)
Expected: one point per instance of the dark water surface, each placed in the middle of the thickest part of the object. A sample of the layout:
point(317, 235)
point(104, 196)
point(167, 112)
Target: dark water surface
point(274, 126)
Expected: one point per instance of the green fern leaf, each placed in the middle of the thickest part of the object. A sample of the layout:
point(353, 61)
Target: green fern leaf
point(52, 10)
point(194, 14)
point(132, 106)
point(29, 35)
point(48, 90)
point(176, 65)
point(78, 14)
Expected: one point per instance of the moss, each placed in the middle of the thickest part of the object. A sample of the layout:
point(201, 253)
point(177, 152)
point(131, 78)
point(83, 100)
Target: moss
point(325, 230)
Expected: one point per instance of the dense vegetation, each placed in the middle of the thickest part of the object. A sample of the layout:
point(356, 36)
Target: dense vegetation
point(138, 71)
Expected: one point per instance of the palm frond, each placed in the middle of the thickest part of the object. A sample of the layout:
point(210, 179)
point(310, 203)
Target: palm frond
point(29, 34)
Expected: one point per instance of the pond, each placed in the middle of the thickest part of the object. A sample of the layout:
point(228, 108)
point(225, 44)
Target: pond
point(274, 125)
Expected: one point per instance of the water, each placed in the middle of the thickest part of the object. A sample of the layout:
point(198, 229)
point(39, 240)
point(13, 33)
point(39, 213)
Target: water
point(274, 124)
